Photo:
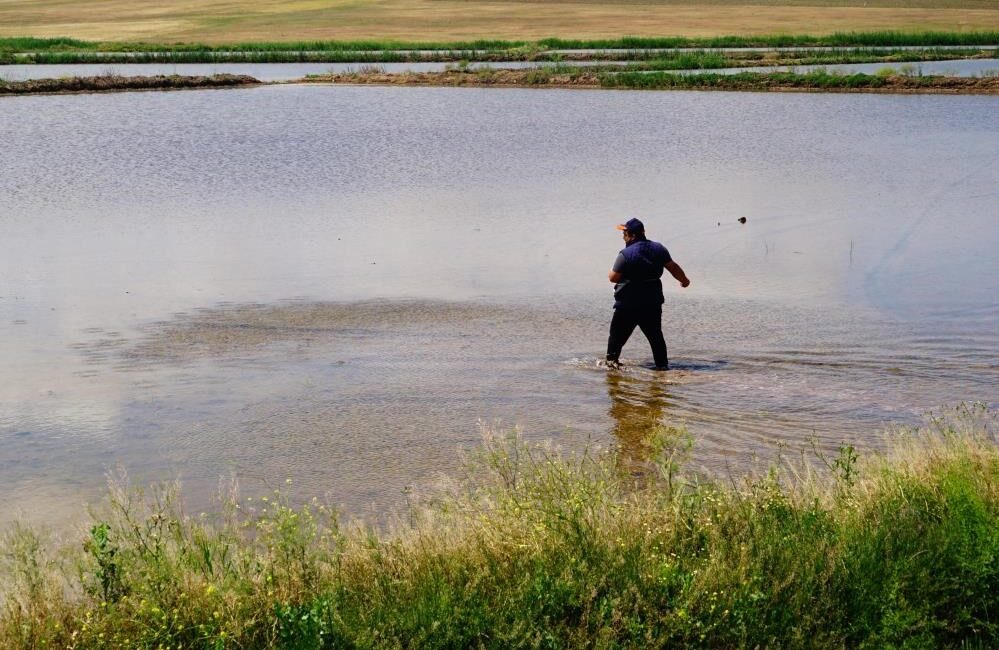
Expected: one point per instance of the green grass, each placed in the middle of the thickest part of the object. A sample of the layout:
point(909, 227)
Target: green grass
point(287, 51)
point(817, 79)
point(541, 549)
point(839, 39)
point(687, 61)
point(266, 56)
point(703, 60)
point(643, 60)
point(30, 44)
point(220, 57)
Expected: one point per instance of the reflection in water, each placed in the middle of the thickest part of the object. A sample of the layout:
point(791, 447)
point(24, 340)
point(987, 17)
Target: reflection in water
point(637, 407)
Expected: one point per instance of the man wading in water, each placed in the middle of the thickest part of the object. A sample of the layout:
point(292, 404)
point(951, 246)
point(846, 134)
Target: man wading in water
point(638, 293)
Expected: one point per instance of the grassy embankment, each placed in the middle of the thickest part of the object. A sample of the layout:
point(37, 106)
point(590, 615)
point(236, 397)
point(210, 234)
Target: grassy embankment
point(117, 83)
point(67, 50)
point(541, 549)
point(556, 76)
point(706, 60)
point(889, 81)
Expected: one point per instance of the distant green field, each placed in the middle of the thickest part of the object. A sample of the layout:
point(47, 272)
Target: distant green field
point(230, 21)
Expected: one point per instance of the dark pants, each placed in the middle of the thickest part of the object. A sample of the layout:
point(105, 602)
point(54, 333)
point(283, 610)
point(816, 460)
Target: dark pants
point(649, 320)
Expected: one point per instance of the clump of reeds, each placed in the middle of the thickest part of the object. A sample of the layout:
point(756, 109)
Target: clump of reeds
point(743, 80)
point(694, 60)
point(537, 548)
point(908, 81)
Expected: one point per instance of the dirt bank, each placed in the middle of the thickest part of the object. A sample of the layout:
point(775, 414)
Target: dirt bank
point(541, 78)
point(481, 77)
point(111, 83)
point(667, 81)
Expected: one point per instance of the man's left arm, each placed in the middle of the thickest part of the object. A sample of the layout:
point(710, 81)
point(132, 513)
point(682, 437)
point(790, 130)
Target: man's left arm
point(677, 273)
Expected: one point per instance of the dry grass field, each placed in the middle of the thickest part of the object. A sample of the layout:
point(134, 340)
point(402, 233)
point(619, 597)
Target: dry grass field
point(220, 21)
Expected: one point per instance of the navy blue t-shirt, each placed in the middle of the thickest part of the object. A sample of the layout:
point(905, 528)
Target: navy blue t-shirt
point(641, 263)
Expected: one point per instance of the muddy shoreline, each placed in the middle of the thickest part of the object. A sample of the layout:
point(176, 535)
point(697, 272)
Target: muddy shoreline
point(535, 78)
point(753, 82)
point(115, 83)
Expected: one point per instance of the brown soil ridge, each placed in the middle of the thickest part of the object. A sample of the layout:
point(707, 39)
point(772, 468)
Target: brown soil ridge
point(501, 78)
point(530, 78)
point(539, 78)
point(486, 77)
point(112, 83)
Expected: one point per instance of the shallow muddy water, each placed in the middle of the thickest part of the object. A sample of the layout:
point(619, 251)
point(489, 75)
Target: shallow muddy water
point(335, 285)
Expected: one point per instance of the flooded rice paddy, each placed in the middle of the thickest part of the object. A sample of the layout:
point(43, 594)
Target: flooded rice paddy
point(336, 285)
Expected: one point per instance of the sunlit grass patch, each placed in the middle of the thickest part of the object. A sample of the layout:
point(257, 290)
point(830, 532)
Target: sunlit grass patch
point(706, 60)
point(908, 78)
point(538, 547)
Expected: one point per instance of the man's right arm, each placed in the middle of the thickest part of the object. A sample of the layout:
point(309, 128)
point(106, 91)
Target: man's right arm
point(675, 270)
point(617, 271)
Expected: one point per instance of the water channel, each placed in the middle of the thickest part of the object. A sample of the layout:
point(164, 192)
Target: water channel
point(335, 285)
point(291, 71)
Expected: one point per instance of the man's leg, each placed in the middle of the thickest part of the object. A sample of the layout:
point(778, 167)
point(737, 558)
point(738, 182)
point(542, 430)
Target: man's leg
point(622, 325)
point(651, 323)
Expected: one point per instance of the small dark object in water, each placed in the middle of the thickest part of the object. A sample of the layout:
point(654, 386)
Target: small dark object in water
point(742, 219)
